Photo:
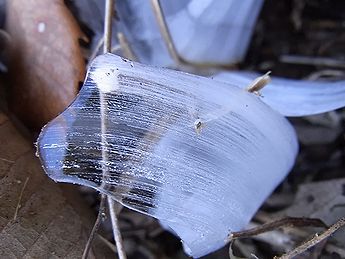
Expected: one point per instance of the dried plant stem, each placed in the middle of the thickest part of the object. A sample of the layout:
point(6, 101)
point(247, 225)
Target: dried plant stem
point(20, 198)
point(285, 222)
point(315, 240)
point(164, 30)
point(157, 9)
point(94, 230)
point(109, 10)
point(109, 244)
point(116, 229)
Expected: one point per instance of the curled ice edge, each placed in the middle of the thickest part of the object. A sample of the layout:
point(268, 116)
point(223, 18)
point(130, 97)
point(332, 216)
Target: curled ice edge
point(293, 98)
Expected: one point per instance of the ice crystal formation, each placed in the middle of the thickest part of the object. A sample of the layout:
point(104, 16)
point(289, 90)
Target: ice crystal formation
point(199, 155)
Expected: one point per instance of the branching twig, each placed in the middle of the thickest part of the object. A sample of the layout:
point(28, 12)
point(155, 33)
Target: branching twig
point(94, 230)
point(285, 222)
point(315, 240)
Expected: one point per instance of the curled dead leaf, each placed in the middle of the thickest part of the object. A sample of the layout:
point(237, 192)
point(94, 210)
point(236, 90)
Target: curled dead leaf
point(46, 63)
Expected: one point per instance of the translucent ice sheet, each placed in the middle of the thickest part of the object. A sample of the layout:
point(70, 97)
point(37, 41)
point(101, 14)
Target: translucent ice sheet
point(199, 155)
point(293, 97)
point(202, 31)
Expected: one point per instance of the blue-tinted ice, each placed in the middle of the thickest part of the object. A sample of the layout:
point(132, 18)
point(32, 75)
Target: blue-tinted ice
point(198, 154)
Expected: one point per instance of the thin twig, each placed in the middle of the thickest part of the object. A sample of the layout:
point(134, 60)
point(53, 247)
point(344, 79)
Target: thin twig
point(285, 222)
point(315, 240)
point(168, 40)
point(20, 198)
point(286, 241)
point(116, 229)
point(109, 244)
point(157, 9)
point(279, 239)
point(94, 230)
point(109, 10)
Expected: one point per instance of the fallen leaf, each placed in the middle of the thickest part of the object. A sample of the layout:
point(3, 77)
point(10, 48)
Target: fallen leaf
point(38, 219)
point(46, 63)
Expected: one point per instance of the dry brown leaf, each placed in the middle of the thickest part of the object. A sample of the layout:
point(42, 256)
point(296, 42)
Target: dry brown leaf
point(38, 219)
point(46, 63)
